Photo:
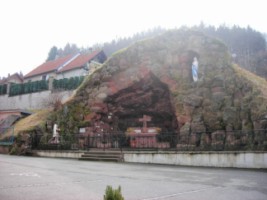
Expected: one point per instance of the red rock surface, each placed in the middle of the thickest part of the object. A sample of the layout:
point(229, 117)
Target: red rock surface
point(154, 78)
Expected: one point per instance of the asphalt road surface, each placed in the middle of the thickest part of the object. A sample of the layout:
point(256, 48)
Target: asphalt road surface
point(32, 178)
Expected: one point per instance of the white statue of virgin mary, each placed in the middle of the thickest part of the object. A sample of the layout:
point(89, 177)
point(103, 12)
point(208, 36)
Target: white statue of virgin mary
point(195, 69)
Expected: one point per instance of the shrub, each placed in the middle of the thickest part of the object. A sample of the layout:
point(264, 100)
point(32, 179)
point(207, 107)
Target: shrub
point(14, 150)
point(113, 194)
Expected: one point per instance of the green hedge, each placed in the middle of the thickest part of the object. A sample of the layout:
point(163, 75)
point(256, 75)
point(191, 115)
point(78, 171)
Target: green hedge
point(37, 86)
point(68, 83)
point(29, 87)
point(3, 89)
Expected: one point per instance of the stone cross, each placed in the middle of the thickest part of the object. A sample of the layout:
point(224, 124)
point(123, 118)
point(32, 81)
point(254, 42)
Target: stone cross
point(145, 119)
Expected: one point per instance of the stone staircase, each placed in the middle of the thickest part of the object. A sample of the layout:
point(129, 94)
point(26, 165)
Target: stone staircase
point(103, 155)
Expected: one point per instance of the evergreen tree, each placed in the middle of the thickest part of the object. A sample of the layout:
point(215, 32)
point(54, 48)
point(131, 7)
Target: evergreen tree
point(52, 53)
point(70, 49)
point(248, 45)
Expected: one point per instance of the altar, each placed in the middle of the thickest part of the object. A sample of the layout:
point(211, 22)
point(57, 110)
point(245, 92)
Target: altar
point(145, 137)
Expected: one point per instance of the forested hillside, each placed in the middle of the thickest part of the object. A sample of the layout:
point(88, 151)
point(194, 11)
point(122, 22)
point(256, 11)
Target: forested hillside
point(247, 46)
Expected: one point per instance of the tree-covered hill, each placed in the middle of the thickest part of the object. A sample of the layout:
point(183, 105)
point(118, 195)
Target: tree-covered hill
point(247, 46)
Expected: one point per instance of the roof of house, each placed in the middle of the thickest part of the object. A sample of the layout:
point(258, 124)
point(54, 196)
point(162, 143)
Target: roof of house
point(80, 61)
point(12, 77)
point(66, 63)
point(49, 66)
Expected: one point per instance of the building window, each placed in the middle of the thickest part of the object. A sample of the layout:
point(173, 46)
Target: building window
point(45, 77)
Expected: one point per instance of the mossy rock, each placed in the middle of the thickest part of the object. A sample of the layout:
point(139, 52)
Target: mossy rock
point(222, 98)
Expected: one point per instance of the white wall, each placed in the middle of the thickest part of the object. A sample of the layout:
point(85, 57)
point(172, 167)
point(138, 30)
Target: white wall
point(78, 72)
point(205, 159)
point(72, 73)
point(30, 101)
point(39, 77)
point(252, 160)
point(59, 154)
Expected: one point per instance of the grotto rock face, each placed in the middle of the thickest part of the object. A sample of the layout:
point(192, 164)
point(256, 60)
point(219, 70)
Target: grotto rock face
point(153, 77)
point(149, 96)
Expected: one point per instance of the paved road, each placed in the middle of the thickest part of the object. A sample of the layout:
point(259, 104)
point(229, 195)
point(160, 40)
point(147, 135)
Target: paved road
point(32, 178)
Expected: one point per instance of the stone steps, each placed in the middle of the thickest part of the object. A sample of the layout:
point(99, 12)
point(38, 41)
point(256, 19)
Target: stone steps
point(100, 155)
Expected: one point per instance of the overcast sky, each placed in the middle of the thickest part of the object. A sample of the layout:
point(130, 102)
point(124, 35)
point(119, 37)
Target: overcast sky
point(29, 28)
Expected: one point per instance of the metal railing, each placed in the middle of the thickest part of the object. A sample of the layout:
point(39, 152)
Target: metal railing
point(220, 140)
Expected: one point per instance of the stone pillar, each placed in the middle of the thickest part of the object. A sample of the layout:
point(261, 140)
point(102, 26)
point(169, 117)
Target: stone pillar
point(50, 83)
point(8, 88)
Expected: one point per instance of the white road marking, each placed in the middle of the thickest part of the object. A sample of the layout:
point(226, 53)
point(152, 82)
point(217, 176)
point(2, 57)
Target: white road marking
point(31, 174)
point(48, 184)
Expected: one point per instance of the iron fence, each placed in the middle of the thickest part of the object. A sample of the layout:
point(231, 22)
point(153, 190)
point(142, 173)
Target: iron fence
point(220, 140)
point(255, 140)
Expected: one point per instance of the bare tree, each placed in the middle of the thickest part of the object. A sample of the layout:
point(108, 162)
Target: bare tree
point(53, 101)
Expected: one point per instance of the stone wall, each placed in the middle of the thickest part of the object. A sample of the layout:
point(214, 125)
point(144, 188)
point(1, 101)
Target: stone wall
point(36, 100)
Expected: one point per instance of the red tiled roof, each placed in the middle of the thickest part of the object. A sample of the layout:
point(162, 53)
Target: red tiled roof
point(48, 66)
point(13, 76)
point(80, 61)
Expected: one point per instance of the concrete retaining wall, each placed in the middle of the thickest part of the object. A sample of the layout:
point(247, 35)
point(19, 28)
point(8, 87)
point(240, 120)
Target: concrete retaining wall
point(205, 159)
point(59, 154)
point(254, 160)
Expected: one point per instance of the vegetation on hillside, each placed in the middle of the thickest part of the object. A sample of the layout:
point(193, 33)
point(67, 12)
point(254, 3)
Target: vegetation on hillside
point(225, 97)
point(247, 46)
point(32, 123)
point(257, 81)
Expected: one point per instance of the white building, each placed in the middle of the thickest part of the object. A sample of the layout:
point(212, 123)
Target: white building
point(66, 67)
